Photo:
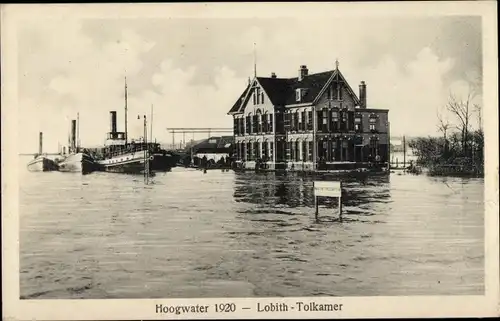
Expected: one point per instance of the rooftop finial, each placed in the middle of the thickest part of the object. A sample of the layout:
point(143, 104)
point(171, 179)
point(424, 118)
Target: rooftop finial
point(254, 60)
point(337, 64)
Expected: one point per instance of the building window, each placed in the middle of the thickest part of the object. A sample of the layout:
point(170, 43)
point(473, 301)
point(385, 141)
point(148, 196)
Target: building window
point(310, 151)
point(271, 150)
point(291, 154)
point(297, 151)
point(299, 120)
point(357, 123)
point(309, 120)
point(235, 126)
point(373, 123)
point(304, 151)
point(249, 151)
point(248, 124)
point(265, 151)
point(262, 98)
point(270, 122)
point(303, 125)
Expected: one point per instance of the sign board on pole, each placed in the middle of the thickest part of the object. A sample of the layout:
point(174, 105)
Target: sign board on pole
point(327, 188)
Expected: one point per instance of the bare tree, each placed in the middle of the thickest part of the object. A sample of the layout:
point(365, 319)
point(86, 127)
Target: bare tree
point(479, 111)
point(463, 112)
point(443, 124)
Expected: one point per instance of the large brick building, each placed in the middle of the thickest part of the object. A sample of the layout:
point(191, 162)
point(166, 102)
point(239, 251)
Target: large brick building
point(310, 122)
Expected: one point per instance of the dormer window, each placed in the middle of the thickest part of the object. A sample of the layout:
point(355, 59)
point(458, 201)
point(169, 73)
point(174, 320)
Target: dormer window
point(298, 94)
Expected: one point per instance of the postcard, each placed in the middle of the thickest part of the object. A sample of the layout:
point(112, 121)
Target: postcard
point(249, 160)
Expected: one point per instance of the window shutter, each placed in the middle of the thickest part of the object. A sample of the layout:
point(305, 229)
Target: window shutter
point(288, 151)
point(310, 151)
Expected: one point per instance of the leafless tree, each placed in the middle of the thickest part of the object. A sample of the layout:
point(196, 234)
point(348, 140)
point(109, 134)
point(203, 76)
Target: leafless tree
point(479, 111)
point(443, 124)
point(462, 110)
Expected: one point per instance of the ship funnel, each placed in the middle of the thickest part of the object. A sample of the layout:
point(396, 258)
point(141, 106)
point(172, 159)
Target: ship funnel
point(40, 139)
point(112, 115)
point(73, 134)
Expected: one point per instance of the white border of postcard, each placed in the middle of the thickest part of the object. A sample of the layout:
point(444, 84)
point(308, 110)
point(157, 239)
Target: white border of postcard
point(359, 307)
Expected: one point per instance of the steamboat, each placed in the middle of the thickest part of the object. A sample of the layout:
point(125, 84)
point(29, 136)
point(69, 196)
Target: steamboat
point(76, 160)
point(41, 163)
point(119, 156)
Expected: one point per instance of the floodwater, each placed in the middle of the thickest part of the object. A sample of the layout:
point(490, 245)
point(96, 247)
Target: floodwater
point(225, 234)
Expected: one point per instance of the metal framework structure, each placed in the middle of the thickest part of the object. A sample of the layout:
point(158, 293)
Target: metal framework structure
point(196, 130)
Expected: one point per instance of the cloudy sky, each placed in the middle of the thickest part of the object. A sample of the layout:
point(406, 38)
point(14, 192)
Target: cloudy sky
point(193, 69)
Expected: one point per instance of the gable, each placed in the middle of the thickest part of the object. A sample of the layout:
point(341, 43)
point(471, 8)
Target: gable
point(282, 91)
point(257, 99)
point(345, 87)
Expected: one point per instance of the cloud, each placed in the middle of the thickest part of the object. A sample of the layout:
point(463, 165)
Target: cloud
point(412, 93)
point(69, 74)
point(192, 75)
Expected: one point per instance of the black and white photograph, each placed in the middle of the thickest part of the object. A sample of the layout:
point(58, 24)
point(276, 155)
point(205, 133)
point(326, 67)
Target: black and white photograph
point(250, 160)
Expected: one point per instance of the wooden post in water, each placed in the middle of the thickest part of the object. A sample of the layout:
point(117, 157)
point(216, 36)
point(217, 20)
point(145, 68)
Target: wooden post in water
point(315, 204)
point(404, 153)
point(340, 202)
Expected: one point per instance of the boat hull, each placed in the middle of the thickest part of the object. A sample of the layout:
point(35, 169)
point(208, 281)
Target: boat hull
point(131, 163)
point(78, 163)
point(42, 164)
point(162, 162)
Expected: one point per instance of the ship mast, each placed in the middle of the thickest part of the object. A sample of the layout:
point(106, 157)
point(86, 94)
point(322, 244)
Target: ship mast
point(151, 125)
point(126, 132)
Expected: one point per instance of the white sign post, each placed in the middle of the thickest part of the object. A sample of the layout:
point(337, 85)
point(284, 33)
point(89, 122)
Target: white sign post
point(327, 189)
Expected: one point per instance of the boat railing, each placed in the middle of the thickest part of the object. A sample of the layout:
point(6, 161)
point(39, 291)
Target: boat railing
point(132, 148)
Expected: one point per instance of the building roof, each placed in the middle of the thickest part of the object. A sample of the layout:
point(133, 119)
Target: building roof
point(238, 103)
point(281, 91)
point(214, 145)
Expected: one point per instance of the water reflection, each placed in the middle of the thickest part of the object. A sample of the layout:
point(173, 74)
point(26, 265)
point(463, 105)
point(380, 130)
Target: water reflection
point(293, 190)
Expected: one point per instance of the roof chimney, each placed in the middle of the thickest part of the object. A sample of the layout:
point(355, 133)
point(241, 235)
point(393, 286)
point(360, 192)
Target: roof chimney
point(362, 94)
point(303, 72)
point(273, 75)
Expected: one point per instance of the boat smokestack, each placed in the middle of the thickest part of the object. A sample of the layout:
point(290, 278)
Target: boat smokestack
point(40, 139)
point(112, 116)
point(73, 134)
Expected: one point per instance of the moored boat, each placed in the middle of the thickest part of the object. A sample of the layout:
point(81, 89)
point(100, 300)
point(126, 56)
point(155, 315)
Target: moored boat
point(162, 160)
point(119, 156)
point(77, 160)
point(41, 163)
